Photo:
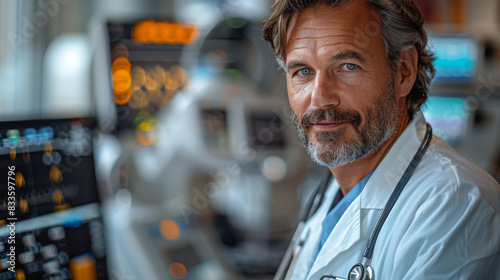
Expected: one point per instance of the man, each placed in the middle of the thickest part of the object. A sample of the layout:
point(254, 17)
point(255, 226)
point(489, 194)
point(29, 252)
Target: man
point(357, 73)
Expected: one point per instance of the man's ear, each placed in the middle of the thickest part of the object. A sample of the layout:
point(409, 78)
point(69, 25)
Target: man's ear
point(406, 73)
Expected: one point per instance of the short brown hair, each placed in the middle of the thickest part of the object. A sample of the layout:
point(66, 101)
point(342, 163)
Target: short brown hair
point(402, 26)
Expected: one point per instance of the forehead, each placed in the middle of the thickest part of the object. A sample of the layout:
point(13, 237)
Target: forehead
point(356, 24)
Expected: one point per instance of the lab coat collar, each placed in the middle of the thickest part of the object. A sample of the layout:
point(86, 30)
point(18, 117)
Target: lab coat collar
point(380, 186)
point(343, 236)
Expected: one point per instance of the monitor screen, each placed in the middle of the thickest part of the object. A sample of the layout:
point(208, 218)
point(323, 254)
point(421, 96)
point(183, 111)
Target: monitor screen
point(50, 210)
point(456, 59)
point(267, 131)
point(448, 117)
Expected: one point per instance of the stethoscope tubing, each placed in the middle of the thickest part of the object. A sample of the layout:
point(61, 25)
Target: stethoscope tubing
point(397, 191)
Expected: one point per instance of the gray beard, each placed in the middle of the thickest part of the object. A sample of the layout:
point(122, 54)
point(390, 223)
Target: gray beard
point(380, 125)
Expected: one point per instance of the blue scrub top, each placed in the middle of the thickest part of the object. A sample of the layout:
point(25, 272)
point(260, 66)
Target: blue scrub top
point(339, 206)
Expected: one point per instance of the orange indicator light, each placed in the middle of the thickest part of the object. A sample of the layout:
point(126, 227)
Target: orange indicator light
point(58, 197)
point(20, 274)
point(55, 174)
point(20, 182)
point(121, 63)
point(177, 270)
point(83, 268)
point(170, 229)
point(24, 205)
point(122, 98)
point(162, 32)
point(121, 80)
point(12, 153)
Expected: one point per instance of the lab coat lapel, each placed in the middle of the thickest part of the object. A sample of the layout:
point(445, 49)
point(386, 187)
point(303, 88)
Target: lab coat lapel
point(343, 236)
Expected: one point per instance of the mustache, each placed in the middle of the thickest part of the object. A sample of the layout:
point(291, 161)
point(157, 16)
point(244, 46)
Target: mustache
point(330, 114)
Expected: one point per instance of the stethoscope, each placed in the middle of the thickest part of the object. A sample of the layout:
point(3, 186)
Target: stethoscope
point(363, 270)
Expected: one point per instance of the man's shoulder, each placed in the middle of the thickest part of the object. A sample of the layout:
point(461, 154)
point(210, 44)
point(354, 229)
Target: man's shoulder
point(452, 166)
point(445, 171)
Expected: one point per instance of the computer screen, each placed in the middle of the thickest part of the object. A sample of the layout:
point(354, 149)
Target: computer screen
point(448, 117)
point(267, 131)
point(50, 211)
point(457, 58)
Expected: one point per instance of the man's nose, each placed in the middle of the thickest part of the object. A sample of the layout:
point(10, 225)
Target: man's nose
point(325, 91)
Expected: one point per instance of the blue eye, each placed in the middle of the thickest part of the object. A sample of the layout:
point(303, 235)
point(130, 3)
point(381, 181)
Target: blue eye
point(350, 66)
point(304, 72)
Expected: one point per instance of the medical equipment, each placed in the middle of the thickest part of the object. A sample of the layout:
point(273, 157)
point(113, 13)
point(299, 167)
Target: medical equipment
point(360, 271)
point(58, 231)
point(149, 213)
point(200, 133)
point(458, 61)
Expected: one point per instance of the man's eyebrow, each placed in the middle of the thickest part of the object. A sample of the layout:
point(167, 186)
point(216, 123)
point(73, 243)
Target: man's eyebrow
point(350, 54)
point(295, 64)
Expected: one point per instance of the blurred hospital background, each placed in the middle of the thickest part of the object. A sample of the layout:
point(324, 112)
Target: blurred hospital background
point(152, 139)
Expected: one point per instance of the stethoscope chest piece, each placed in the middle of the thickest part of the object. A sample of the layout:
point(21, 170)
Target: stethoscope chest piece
point(359, 272)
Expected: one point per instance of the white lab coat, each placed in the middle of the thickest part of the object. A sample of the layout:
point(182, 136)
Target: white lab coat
point(445, 224)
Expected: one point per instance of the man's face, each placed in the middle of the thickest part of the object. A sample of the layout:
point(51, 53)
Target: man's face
point(340, 85)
